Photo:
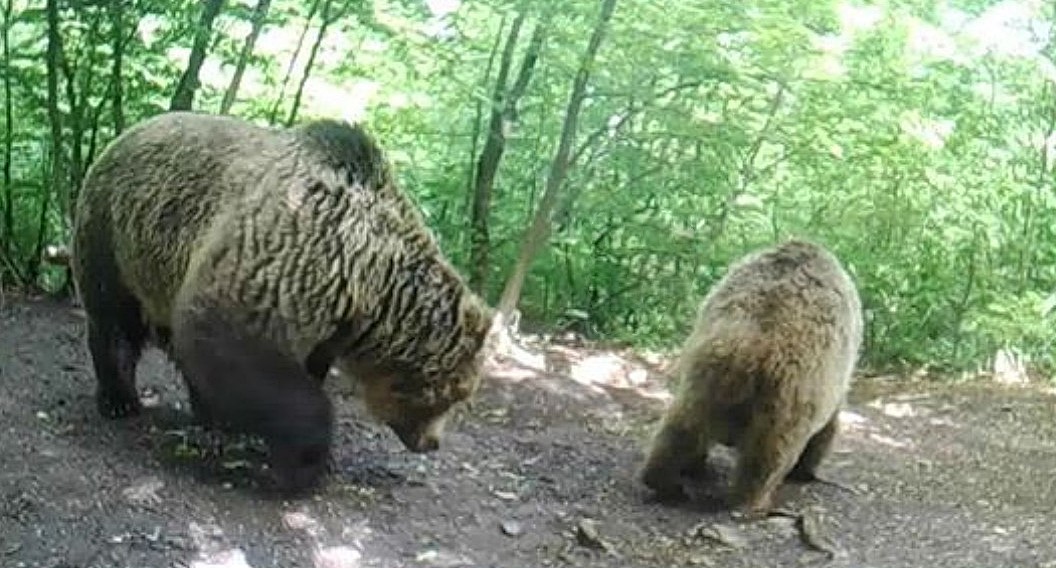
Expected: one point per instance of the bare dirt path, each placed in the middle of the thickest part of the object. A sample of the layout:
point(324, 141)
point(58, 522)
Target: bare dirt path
point(538, 473)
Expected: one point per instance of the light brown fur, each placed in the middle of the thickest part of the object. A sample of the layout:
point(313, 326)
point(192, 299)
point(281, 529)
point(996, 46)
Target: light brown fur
point(765, 370)
point(303, 233)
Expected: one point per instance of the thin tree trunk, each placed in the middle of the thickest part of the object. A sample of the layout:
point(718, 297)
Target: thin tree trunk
point(536, 235)
point(488, 163)
point(478, 119)
point(58, 163)
point(9, 137)
point(273, 115)
point(93, 135)
point(259, 15)
point(503, 115)
point(117, 45)
point(311, 61)
point(77, 102)
point(183, 98)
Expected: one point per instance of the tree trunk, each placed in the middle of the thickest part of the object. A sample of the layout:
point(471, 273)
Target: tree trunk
point(538, 232)
point(273, 115)
point(9, 137)
point(503, 115)
point(183, 98)
point(77, 99)
point(311, 61)
point(259, 15)
point(58, 163)
point(93, 127)
point(488, 164)
point(117, 45)
point(478, 119)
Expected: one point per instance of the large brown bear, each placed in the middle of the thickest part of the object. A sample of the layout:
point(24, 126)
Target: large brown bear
point(765, 370)
point(260, 258)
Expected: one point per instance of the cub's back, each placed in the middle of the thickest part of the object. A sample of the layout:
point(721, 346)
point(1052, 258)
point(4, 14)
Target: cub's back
point(785, 313)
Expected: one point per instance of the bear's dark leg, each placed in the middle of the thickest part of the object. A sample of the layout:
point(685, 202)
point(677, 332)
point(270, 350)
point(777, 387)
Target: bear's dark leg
point(114, 357)
point(247, 383)
point(818, 447)
point(116, 331)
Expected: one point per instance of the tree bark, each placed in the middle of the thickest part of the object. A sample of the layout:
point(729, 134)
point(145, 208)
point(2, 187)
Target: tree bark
point(183, 98)
point(537, 233)
point(503, 102)
point(478, 119)
point(311, 61)
point(77, 99)
point(273, 115)
point(9, 136)
point(58, 163)
point(117, 45)
point(260, 13)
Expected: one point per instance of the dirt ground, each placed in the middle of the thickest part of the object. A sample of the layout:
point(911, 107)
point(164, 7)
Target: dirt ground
point(540, 472)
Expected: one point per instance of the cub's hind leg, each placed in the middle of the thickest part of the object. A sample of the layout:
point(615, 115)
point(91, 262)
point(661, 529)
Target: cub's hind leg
point(817, 448)
point(679, 447)
point(774, 440)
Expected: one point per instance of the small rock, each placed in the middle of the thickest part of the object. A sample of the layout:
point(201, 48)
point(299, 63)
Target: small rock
point(724, 534)
point(587, 535)
point(337, 557)
point(442, 559)
point(144, 492)
point(811, 526)
point(512, 528)
point(505, 495)
point(300, 521)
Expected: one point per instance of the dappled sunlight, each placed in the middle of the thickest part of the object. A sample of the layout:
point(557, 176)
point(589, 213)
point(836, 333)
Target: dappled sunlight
point(1010, 367)
point(344, 551)
point(556, 367)
point(213, 552)
point(930, 132)
point(1010, 28)
point(232, 558)
point(857, 425)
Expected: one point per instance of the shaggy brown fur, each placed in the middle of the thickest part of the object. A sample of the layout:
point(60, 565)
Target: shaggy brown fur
point(765, 371)
point(300, 237)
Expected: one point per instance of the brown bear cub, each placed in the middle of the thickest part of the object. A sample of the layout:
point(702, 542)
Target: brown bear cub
point(259, 259)
point(765, 371)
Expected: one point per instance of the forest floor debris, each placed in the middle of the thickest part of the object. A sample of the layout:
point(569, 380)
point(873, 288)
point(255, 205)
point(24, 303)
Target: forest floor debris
point(540, 471)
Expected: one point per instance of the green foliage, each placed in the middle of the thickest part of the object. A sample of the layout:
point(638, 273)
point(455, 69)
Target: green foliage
point(914, 138)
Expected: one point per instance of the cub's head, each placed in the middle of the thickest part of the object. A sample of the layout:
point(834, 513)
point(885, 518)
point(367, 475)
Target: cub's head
point(415, 398)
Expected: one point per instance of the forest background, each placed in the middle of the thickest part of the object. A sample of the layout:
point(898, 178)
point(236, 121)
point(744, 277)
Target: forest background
point(598, 163)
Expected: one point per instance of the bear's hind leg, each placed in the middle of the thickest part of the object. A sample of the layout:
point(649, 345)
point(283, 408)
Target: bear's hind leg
point(114, 358)
point(767, 452)
point(817, 448)
point(116, 334)
point(675, 449)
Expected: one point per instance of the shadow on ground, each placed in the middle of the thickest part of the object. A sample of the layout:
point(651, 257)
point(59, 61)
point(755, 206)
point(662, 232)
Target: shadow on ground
point(539, 472)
